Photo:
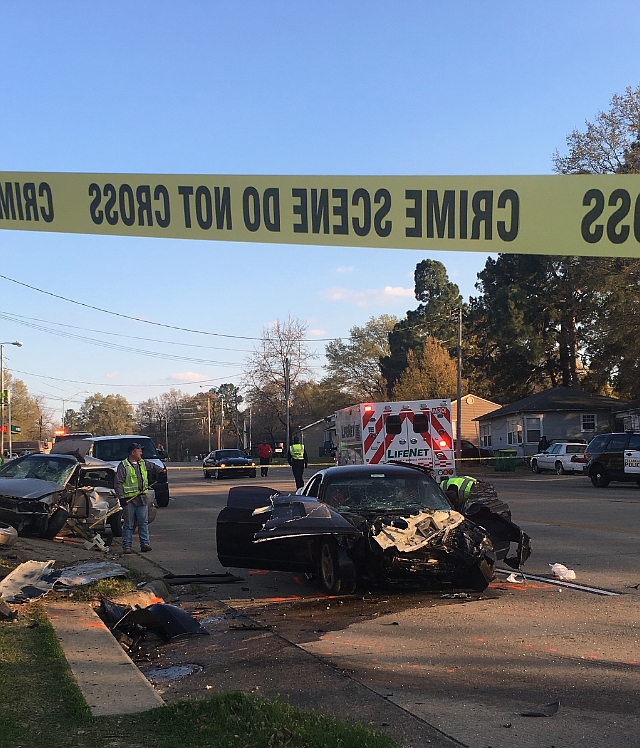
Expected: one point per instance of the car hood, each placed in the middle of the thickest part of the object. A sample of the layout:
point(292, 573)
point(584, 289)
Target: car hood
point(28, 488)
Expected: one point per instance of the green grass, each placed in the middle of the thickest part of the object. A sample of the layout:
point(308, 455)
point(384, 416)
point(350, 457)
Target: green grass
point(43, 708)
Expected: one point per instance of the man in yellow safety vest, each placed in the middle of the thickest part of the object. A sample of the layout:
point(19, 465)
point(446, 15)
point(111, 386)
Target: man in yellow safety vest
point(297, 458)
point(458, 489)
point(131, 486)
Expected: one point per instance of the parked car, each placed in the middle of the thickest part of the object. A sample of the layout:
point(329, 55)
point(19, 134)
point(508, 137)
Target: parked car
point(232, 463)
point(561, 457)
point(114, 449)
point(388, 524)
point(40, 492)
point(613, 457)
point(469, 450)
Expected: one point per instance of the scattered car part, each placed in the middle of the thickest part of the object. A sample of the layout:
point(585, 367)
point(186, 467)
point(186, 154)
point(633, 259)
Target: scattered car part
point(546, 711)
point(226, 578)
point(8, 535)
point(167, 622)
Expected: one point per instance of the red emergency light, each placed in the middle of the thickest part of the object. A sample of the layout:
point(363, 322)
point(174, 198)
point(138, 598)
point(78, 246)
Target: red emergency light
point(368, 408)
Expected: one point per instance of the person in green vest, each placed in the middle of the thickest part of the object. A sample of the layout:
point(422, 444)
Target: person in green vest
point(458, 490)
point(298, 460)
point(131, 486)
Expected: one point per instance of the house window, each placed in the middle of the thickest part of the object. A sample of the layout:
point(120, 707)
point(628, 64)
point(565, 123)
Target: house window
point(534, 429)
point(485, 434)
point(588, 422)
point(514, 431)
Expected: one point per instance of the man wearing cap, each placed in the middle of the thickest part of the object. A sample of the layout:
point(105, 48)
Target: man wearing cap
point(131, 485)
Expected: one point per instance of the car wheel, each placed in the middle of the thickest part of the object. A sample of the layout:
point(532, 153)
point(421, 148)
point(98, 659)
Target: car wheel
point(534, 466)
point(55, 523)
point(115, 523)
point(252, 474)
point(560, 468)
point(336, 573)
point(599, 476)
point(206, 475)
point(218, 475)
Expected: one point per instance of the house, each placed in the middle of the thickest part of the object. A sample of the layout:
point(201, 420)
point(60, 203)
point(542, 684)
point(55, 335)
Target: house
point(471, 408)
point(560, 413)
point(627, 416)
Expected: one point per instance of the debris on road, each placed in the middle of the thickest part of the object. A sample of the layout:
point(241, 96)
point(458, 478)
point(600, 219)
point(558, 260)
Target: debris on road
point(201, 578)
point(167, 622)
point(516, 578)
point(33, 579)
point(561, 572)
point(546, 711)
point(6, 614)
point(8, 535)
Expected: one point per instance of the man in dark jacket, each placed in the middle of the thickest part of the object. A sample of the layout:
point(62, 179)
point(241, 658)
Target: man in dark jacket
point(298, 460)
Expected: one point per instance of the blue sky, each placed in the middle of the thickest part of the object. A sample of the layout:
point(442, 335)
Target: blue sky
point(267, 88)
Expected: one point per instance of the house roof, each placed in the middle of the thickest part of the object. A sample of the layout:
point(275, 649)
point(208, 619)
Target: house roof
point(554, 399)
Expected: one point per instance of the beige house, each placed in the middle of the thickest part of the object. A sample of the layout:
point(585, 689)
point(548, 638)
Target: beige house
point(472, 407)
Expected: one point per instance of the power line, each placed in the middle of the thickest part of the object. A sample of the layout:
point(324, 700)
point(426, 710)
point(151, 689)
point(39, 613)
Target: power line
point(116, 385)
point(149, 322)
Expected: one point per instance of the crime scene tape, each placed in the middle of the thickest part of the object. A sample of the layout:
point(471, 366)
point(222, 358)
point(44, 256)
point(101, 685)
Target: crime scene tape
point(584, 214)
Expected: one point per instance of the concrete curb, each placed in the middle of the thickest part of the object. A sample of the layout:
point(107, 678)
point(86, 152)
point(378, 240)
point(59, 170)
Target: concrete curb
point(110, 682)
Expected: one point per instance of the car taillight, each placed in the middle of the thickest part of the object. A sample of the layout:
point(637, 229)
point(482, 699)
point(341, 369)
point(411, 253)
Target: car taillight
point(578, 458)
point(222, 464)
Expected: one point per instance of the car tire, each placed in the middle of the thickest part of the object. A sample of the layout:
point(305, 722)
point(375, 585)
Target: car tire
point(55, 524)
point(252, 474)
point(206, 475)
point(336, 573)
point(218, 475)
point(560, 469)
point(599, 477)
point(115, 523)
point(534, 467)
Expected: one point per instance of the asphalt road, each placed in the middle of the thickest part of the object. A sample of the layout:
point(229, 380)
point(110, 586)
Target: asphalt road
point(468, 666)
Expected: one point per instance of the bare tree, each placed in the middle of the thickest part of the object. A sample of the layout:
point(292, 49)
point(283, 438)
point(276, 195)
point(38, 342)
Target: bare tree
point(610, 144)
point(282, 346)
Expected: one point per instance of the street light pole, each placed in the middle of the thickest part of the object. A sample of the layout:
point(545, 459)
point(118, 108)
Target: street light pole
point(2, 345)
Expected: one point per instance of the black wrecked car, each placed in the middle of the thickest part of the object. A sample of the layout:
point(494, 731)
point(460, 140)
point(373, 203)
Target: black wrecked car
point(40, 492)
point(387, 524)
point(232, 463)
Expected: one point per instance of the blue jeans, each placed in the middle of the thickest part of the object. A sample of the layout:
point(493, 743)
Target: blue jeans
point(133, 515)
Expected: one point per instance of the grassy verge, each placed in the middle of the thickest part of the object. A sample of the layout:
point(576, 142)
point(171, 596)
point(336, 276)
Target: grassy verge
point(43, 708)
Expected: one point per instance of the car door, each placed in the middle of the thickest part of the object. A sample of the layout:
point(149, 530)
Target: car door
point(546, 461)
point(613, 457)
point(249, 509)
point(632, 456)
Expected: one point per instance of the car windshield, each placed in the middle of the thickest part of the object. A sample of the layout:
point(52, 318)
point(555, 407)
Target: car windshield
point(575, 449)
point(380, 492)
point(116, 450)
point(54, 468)
point(225, 454)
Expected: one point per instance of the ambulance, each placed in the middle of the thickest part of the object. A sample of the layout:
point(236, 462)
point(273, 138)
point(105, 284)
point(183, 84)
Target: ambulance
point(419, 431)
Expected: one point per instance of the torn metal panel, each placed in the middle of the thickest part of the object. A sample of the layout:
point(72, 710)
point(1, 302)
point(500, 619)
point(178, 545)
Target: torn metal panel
point(412, 533)
point(89, 571)
point(29, 581)
point(295, 517)
point(167, 622)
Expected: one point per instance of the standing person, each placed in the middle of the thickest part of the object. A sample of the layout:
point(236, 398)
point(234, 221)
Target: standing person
point(297, 458)
point(543, 444)
point(131, 486)
point(264, 453)
point(160, 451)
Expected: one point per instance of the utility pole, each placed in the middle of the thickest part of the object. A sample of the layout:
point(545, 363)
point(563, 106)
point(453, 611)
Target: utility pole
point(209, 419)
point(287, 397)
point(221, 425)
point(459, 389)
point(235, 393)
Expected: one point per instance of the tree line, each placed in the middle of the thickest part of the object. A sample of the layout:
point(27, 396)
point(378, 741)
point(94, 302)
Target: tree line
point(537, 321)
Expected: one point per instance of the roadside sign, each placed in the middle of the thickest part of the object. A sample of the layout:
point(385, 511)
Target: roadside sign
point(585, 214)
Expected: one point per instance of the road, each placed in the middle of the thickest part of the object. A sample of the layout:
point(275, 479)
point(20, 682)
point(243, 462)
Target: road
point(467, 666)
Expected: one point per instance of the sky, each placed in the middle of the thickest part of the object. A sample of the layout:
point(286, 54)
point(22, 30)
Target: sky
point(248, 87)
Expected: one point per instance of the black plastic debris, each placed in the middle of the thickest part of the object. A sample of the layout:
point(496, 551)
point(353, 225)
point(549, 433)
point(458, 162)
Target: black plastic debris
point(111, 612)
point(167, 622)
point(546, 711)
point(201, 578)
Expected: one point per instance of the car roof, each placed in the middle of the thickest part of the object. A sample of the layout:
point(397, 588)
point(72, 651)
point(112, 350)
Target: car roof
point(359, 471)
point(120, 436)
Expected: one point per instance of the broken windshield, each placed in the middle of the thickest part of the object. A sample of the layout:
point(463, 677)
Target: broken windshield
point(55, 469)
point(382, 493)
